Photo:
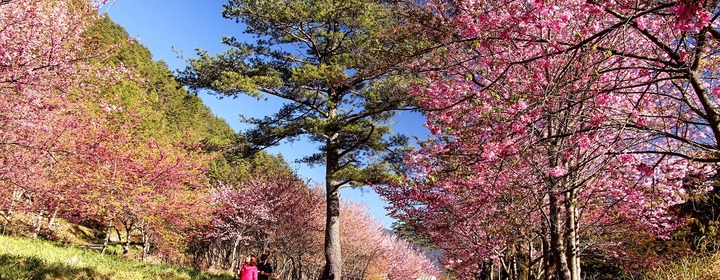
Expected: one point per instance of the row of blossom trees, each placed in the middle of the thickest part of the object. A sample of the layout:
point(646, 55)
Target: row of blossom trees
point(69, 150)
point(280, 215)
point(562, 129)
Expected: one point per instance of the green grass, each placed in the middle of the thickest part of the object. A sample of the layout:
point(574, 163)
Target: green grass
point(689, 268)
point(22, 258)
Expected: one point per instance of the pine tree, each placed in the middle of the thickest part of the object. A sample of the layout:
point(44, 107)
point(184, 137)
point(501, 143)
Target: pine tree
point(339, 67)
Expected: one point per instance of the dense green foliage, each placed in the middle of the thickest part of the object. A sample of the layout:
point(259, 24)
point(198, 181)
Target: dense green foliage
point(153, 93)
point(169, 110)
point(335, 63)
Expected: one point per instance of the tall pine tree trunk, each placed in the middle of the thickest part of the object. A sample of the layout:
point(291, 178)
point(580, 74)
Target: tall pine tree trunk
point(333, 257)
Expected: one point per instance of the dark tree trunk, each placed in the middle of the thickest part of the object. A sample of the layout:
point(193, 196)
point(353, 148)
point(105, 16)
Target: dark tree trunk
point(333, 257)
point(573, 254)
point(557, 246)
point(546, 259)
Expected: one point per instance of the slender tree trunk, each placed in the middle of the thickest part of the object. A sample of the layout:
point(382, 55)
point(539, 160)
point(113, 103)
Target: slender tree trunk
point(578, 262)
point(145, 239)
point(300, 268)
point(233, 255)
point(126, 248)
point(52, 218)
point(557, 238)
point(333, 257)
point(39, 224)
point(573, 254)
point(484, 273)
point(530, 260)
point(492, 271)
point(502, 266)
point(500, 269)
point(16, 196)
point(119, 236)
point(367, 265)
point(557, 246)
point(293, 269)
point(546, 262)
point(107, 236)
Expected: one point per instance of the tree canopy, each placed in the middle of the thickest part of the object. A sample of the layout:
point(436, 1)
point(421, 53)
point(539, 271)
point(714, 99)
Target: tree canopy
point(567, 122)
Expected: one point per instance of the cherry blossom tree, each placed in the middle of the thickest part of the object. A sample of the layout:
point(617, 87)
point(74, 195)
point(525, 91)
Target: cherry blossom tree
point(662, 51)
point(361, 240)
point(241, 214)
point(117, 176)
point(372, 251)
point(67, 149)
point(404, 261)
point(267, 212)
point(552, 116)
point(43, 73)
point(276, 213)
point(298, 237)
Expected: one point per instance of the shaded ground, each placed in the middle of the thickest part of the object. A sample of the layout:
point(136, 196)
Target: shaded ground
point(15, 267)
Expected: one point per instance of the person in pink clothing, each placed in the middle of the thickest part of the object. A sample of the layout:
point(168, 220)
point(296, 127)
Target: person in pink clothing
point(249, 270)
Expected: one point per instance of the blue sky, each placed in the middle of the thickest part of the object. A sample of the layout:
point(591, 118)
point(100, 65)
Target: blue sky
point(170, 28)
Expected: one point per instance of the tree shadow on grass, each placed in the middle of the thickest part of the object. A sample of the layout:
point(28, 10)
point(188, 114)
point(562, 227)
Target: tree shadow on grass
point(33, 268)
point(200, 275)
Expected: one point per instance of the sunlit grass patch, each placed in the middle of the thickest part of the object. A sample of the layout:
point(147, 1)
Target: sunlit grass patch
point(693, 267)
point(22, 258)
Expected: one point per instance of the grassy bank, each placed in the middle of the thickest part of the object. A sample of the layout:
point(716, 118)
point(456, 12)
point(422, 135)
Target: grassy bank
point(689, 268)
point(22, 258)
